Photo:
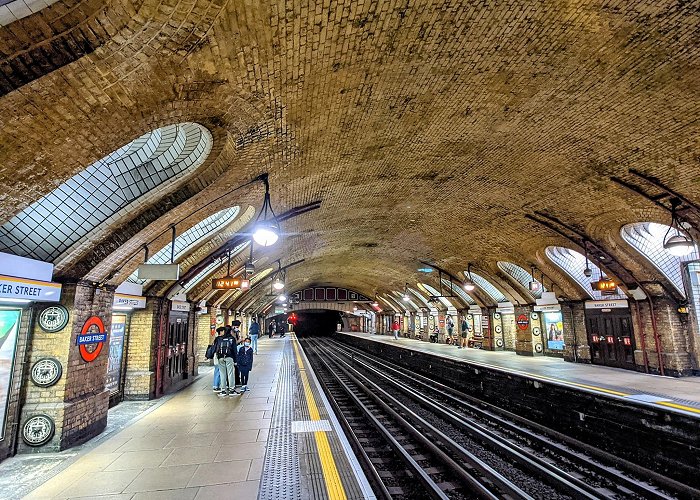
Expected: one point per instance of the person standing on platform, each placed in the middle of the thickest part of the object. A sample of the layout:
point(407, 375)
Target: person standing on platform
point(271, 328)
point(254, 332)
point(450, 329)
point(245, 363)
point(465, 333)
point(225, 348)
point(217, 373)
point(395, 328)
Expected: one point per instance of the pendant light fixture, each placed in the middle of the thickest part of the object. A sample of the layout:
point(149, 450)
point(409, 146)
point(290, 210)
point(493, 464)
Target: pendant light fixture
point(679, 244)
point(405, 296)
point(468, 284)
point(587, 272)
point(266, 230)
point(376, 302)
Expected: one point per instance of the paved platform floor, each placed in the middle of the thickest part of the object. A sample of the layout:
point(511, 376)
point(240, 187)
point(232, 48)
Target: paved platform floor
point(681, 394)
point(194, 445)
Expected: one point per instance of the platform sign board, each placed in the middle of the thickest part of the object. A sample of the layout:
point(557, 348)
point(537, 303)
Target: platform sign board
point(132, 301)
point(28, 289)
point(607, 304)
point(159, 272)
point(230, 284)
point(9, 332)
point(116, 351)
point(554, 329)
point(178, 305)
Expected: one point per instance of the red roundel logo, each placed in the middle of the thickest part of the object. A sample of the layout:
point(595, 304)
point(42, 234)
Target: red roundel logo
point(91, 339)
point(522, 322)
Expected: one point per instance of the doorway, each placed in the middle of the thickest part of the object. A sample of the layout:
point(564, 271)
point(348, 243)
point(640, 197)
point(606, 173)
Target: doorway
point(610, 337)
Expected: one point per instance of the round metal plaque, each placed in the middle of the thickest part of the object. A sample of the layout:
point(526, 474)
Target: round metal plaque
point(499, 342)
point(536, 331)
point(498, 329)
point(496, 315)
point(53, 318)
point(46, 372)
point(534, 315)
point(38, 430)
point(538, 347)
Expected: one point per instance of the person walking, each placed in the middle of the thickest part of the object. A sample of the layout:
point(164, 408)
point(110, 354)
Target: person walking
point(245, 363)
point(395, 328)
point(225, 348)
point(254, 332)
point(450, 329)
point(216, 386)
point(271, 328)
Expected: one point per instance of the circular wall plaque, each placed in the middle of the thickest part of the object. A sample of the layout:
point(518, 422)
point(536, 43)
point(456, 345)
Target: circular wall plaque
point(538, 347)
point(536, 331)
point(46, 372)
point(53, 318)
point(499, 342)
point(534, 315)
point(38, 430)
point(496, 315)
point(498, 329)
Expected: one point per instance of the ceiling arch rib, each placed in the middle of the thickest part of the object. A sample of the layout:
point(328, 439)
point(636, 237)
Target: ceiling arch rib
point(522, 278)
point(82, 209)
point(647, 238)
point(459, 292)
point(573, 264)
point(433, 292)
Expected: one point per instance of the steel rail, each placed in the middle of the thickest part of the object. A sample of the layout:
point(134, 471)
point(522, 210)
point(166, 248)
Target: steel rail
point(505, 419)
point(432, 488)
point(382, 397)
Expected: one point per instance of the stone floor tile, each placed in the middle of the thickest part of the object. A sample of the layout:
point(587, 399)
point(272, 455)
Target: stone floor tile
point(145, 459)
point(220, 473)
point(235, 437)
point(247, 490)
point(191, 440)
point(179, 494)
point(146, 443)
point(250, 424)
point(99, 483)
point(255, 471)
point(162, 478)
point(192, 455)
point(240, 451)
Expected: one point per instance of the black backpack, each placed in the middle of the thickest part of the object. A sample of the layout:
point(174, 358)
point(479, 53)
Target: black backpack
point(224, 347)
point(210, 352)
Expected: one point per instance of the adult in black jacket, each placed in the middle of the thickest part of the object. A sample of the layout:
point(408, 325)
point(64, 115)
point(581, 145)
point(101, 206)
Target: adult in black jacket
point(225, 348)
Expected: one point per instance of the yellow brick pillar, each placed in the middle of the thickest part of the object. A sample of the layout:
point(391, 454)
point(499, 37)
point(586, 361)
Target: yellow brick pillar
point(206, 331)
point(78, 402)
point(141, 353)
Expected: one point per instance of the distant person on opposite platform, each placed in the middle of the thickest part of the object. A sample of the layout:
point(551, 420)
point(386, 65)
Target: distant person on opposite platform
point(395, 329)
point(245, 363)
point(465, 333)
point(254, 332)
point(271, 329)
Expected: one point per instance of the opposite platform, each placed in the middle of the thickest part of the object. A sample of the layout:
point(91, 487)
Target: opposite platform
point(679, 394)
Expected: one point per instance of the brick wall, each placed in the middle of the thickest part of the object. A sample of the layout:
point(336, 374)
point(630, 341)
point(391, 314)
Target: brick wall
point(141, 359)
point(575, 338)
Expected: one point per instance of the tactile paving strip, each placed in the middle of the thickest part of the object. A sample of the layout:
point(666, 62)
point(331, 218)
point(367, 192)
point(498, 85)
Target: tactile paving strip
point(281, 477)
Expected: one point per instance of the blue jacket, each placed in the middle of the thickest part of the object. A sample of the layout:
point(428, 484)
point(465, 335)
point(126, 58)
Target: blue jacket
point(245, 359)
point(254, 328)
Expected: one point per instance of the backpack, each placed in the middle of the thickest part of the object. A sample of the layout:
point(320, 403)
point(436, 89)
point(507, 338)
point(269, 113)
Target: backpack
point(210, 352)
point(224, 346)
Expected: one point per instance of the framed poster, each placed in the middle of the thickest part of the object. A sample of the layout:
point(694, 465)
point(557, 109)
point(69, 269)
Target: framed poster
point(9, 331)
point(116, 351)
point(554, 330)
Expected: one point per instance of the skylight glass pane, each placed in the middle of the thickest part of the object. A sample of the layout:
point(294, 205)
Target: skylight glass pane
point(522, 276)
point(648, 239)
point(108, 188)
point(573, 264)
point(433, 291)
point(487, 287)
point(457, 290)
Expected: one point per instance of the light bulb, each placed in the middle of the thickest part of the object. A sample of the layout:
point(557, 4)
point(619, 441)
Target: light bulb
point(266, 233)
point(282, 298)
point(406, 298)
point(278, 284)
point(469, 286)
point(587, 272)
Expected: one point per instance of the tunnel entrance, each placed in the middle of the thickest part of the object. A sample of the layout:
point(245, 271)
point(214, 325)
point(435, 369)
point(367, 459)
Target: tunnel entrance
point(317, 322)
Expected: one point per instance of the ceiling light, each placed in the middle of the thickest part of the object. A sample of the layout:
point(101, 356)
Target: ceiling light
point(278, 284)
point(266, 231)
point(468, 284)
point(281, 298)
point(681, 244)
point(406, 298)
point(425, 270)
point(249, 268)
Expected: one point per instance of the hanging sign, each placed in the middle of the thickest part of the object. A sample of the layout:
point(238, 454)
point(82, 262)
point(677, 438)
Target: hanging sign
point(91, 339)
point(548, 308)
point(607, 304)
point(523, 322)
point(178, 305)
point(230, 284)
point(126, 300)
point(474, 310)
point(26, 289)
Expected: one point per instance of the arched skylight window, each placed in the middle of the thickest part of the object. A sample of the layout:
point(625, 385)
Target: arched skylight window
point(521, 276)
point(457, 290)
point(487, 287)
point(573, 264)
point(421, 298)
point(98, 196)
point(398, 297)
point(190, 238)
point(432, 291)
point(648, 239)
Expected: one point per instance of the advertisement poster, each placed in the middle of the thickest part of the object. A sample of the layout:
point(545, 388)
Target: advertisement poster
point(554, 330)
point(9, 328)
point(116, 349)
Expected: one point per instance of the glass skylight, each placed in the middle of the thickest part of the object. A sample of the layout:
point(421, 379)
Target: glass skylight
point(434, 292)
point(457, 290)
point(648, 239)
point(97, 197)
point(573, 264)
point(521, 276)
point(487, 287)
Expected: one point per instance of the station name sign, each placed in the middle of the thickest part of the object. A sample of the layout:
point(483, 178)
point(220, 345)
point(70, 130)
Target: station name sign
point(26, 289)
point(607, 304)
point(230, 284)
point(133, 301)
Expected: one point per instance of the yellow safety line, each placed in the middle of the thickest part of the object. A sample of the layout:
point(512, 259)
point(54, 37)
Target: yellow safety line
point(680, 407)
point(334, 486)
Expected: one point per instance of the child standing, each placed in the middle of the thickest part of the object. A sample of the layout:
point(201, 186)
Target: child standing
point(245, 362)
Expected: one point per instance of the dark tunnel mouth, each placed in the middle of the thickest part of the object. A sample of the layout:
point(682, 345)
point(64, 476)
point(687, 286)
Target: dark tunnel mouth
point(315, 322)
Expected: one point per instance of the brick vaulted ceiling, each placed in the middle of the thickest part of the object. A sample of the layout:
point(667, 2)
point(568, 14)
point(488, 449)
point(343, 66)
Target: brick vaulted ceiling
point(429, 130)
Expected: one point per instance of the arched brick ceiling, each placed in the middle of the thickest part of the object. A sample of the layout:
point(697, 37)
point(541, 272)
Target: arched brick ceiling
point(429, 131)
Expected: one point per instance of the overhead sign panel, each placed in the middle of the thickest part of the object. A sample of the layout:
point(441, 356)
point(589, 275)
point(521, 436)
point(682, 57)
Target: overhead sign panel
point(159, 271)
point(607, 304)
point(22, 267)
point(230, 284)
point(24, 289)
point(126, 300)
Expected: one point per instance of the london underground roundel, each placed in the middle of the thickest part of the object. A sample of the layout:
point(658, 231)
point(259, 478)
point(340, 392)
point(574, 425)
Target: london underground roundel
point(91, 339)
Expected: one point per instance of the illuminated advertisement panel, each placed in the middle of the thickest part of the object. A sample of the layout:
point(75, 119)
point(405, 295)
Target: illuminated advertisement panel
point(9, 329)
point(554, 330)
point(116, 351)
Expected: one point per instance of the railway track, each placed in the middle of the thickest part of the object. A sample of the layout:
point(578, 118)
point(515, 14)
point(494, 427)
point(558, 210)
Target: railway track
point(420, 439)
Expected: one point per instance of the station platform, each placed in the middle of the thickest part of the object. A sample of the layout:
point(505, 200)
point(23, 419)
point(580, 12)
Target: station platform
point(676, 394)
point(280, 440)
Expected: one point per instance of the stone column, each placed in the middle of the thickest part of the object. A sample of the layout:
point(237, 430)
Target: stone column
point(576, 346)
point(78, 403)
point(141, 358)
point(206, 331)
